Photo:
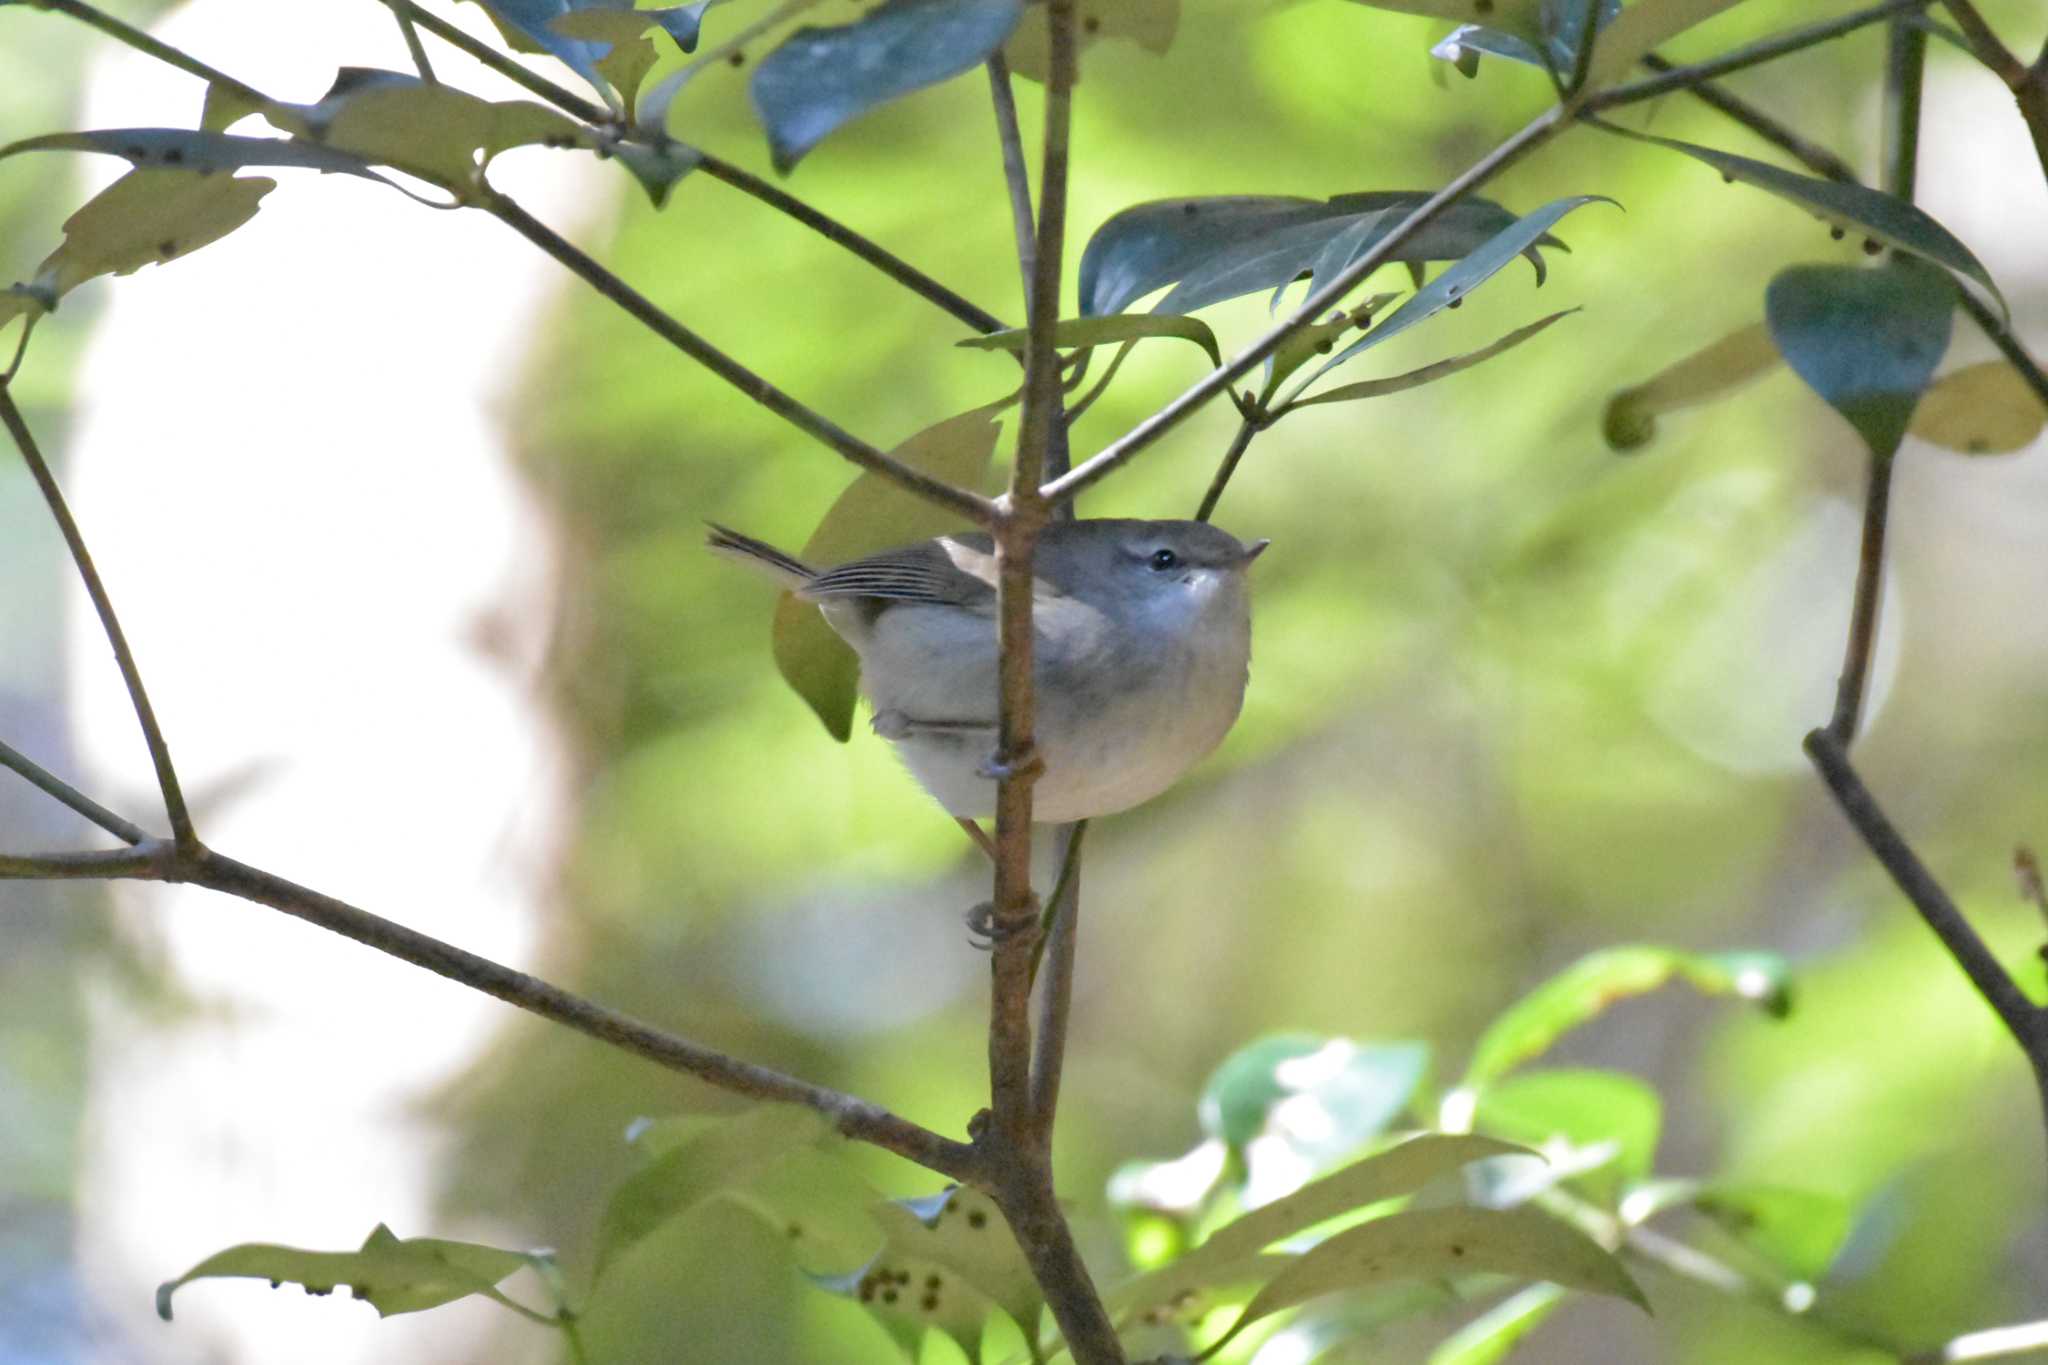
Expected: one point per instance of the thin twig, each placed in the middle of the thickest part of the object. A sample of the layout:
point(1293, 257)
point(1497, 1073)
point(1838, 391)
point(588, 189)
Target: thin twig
point(1582, 59)
point(563, 98)
point(144, 859)
point(1015, 177)
point(1225, 470)
point(937, 491)
point(1808, 153)
point(1905, 65)
point(103, 607)
point(1056, 969)
point(1120, 452)
point(413, 45)
point(1985, 44)
point(1850, 687)
point(1755, 54)
point(151, 46)
point(59, 790)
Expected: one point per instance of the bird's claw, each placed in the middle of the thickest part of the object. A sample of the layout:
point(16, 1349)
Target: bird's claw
point(986, 931)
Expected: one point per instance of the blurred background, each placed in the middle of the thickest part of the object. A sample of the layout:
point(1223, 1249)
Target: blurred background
point(408, 532)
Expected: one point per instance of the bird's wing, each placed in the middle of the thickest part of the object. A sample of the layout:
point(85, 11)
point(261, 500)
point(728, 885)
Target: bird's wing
point(950, 571)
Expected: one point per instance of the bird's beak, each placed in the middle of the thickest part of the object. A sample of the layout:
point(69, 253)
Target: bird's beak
point(1254, 550)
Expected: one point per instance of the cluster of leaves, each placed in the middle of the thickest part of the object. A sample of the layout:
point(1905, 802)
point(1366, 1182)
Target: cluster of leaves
point(1312, 1182)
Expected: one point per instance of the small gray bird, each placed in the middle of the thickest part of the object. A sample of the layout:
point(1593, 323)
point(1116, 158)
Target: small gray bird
point(1142, 651)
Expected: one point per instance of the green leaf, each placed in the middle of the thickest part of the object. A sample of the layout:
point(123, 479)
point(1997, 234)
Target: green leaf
point(1379, 388)
point(1560, 22)
point(657, 168)
point(722, 1156)
point(874, 514)
point(1867, 341)
point(1523, 18)
point(1150, 24)
point(145, 217)
point(1218, 248)
point(1488, 1338)
point(539, 23)
point(1352, 1090)
point(1982, 409)
point(1585, 989)
point(1584, 1107)
point(1443, 1243)
point(819, 78)
point(225, 106)
point(1454, 284)
point(391, 1274)
point(1641, 27)
point(1086, 333)
point(1707, 374)
point(1798, 1231)
point(1882, 217)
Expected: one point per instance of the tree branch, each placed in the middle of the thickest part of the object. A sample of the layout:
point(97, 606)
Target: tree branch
point(413, 45)
point(1056, 968)
point(1985, 45)
point(1015, 177)
point(1224, 471)
point(1850, 687)
point(1810, 154)
point(970, 505)
point(150, 46)
point(1755, 54)
point(65, 794)
point(103, 607)
point(1120, 452)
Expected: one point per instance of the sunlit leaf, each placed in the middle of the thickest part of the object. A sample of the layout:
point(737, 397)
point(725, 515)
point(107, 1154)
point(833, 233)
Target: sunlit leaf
point(1488, 1338)
point(1707, 374)
point(1590, 985)
point(391, 1274)
point(1150, 24)
point(1982, 409)
point(621, 41)
point(1442, 1243)
point(1461, 279)
point(1085, 333)
point(1583, 1107)
point(536, 26)
point(1427, 374)
point(1561, 22)
point(1639, 28)
point(819, 78)
point(148, 217)
point(722, 1156)
point(874, 514)
point(224, 107)
point(1178, 1187)
point(1217, 248)
point(1883, 218)
point(184, 149)
point(1354, 1090)
point(1867, 341)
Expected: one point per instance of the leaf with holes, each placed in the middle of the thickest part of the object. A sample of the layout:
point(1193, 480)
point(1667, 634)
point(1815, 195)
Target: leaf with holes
point(874, 514)
point(819, 78)
point(1150, 24)
point(1867, 341)
point(1454, 284)
point(1710, 373)
point(1582, 991)
point(1428, 374)
point(1217, 248)
point(391, 1274)
point(1087, 333)
point(1982, 409)
point(1488, 1338)
point(1884, 218)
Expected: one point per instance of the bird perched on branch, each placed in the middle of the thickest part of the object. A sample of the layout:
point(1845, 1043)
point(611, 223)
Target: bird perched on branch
point(1141, 653)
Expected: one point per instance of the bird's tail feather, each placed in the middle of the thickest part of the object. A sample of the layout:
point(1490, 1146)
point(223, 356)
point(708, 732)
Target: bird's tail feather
point(760, 556)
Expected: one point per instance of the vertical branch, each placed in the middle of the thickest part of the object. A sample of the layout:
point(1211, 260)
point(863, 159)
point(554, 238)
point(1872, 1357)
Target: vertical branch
point(1856, 656)
point(1056, 1001)
point(1905, 61)
point(1004, 98)
point(159, 753)
point(1238, 445)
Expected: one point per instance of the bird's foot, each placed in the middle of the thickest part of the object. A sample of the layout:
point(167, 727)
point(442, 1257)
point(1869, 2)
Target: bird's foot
point(986, 931)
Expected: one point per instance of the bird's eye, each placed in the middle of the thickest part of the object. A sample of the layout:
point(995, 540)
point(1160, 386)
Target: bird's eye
point(1163, 560)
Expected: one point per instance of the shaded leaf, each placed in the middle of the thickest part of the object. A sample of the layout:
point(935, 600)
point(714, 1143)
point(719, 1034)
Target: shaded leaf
point(536, 26)
point(391, 1274)
point(1588, 986)
point(1085, 333)
point(1222, 247)
point(1488, 1338)
point(146, 217)
point(1442, 1243)
point(1150, 24)
point(1188, 1287)
point(874, 514)
point(946, 1265)
point(1640, 28)
point(1711, 372)
point(1883, 217)
point(1981, 409)
point(819, 78)
point(721, 1156)
point(1584, 1107)
point(1560, 21)
point(1461, 279)
point(1379, 388)
point(1319, 338)
point(658, 168)
point(1354, 1090)
point(1867, 341)
point(183, 149)
point(819, 1205)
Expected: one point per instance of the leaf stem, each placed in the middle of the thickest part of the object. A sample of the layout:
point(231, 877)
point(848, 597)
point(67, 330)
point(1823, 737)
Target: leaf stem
point(1056, 1000)
point(1754, 54)
point(110, 624)
point(1582, 58)
point(1855, 676)
point(850, 447)
point(1224, 471)
point(1905, 64)
point(1018, 180)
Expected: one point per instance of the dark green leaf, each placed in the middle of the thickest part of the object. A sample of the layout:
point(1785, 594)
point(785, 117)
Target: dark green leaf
point(1428, 374)
point(1488, 1338)
point(536, 23)
point(1217, 248)
point(1883, 217)
point(1584, 1107)
point(1981, 409)
point(1583, 990)
point(1085, 333)
point(1867, 341)
point(145, 217)
point(1707, 374)
point(392, 1275)
point(1353, 1089)
point(1150, 24)
point(874, 514)
point(819, 78)
point(1461, 279)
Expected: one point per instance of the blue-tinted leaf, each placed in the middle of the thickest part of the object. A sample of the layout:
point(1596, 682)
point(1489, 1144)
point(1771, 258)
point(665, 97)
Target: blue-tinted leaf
point(819, 78)
point(1223, 247)
point(1354, 1089)
point(391, 1274)
point(618, 39)
point(658, 168)
point(1489, 1337)
point(534, 21)
point(1867, 341)
point(1427, 374)
point(1561, 20)
point(1461, 279)
point(187, 149)
point(1883, 217)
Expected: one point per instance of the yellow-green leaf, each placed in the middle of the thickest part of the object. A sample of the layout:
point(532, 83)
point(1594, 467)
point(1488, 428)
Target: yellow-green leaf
point(1150, 24)
point(1981, 409)
point(1639, 28)
point(149, 216)
point(391, 1274)
point(1085, 333)
point(1711, 372)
